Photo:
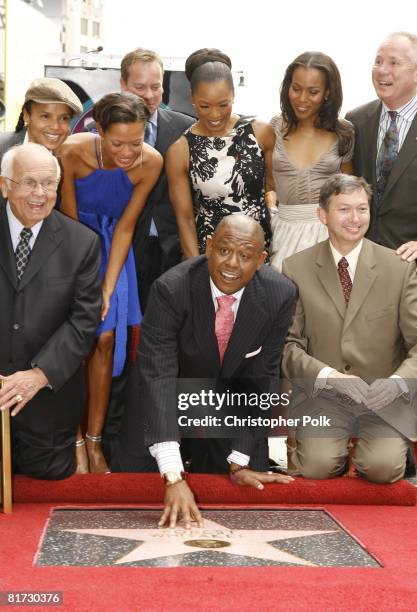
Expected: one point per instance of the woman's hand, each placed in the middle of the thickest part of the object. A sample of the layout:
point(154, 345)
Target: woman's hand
point(106, 303)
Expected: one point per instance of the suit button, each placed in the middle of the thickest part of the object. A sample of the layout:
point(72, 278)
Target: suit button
point(16, 326)
point(347, 367)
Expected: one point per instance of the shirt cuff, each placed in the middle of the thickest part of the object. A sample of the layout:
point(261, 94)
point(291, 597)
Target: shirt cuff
point(402, 384)
point(167, 456)
point(238, 458)
point(321, 380)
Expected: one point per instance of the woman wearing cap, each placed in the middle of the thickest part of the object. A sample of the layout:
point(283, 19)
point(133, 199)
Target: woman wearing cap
point(107, 178)
point(223, 163)
point(45, 117)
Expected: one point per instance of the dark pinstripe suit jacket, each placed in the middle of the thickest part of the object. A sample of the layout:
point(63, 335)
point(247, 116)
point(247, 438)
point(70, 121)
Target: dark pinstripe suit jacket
point(178, 340)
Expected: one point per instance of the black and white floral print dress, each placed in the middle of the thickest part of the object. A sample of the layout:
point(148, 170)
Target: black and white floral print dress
point(227, 176)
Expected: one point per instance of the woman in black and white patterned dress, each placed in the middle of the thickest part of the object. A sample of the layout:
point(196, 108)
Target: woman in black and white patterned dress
point(223, 163)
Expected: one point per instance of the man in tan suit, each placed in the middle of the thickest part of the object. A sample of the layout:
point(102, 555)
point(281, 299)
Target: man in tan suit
point(351, 350)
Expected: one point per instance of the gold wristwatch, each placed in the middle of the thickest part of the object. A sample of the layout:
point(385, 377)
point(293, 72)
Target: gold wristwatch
point(172, 478)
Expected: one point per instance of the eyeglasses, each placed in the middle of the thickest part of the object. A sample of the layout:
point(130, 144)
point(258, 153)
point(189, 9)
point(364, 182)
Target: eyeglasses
point(28, 184)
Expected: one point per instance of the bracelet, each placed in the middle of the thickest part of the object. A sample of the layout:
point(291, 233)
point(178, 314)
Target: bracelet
point(271, 197)
point(93, 438)
point(234, 468)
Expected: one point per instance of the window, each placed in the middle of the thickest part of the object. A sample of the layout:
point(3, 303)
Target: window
point(84, 26)
point(96, 28)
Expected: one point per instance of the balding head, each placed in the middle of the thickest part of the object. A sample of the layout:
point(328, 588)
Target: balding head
point(394, 73)
point(235, 252)
point(29, 180)
point(243, 224)
point(29, 150)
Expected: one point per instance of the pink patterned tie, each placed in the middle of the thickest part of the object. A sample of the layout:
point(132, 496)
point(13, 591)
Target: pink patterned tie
point(224, 322)
point(346, 281)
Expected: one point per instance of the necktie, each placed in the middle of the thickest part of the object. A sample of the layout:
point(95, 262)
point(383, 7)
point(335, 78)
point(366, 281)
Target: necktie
point(345, 280)
point(150, 136)
point(224, 322)
point(22, 251)
point(388, 153)
point(150, 139)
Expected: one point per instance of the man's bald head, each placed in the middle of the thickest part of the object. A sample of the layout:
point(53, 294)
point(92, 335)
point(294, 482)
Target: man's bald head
point(27, 151)
point(29, 180)
point(243, 224)
point(235, 252)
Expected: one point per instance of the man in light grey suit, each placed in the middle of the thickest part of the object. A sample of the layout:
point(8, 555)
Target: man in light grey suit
point(394, 205)
point(352, 345)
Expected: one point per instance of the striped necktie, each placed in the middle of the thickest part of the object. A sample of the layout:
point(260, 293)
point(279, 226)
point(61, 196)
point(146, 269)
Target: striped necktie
point(23, 251)
point(387, 155)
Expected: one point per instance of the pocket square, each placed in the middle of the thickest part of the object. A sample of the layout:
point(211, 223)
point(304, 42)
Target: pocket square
point(253, 353)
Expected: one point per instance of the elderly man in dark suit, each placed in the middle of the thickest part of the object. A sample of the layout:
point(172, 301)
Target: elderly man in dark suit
point(156, 242)
point(50, 300)
point(183, 336)
point(386, 144)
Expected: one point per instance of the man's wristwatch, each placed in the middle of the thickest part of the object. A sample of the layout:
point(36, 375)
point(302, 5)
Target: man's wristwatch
point(172, 478)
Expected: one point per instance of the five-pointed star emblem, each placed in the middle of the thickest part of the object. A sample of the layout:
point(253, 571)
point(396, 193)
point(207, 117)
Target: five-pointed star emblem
point(166, 542)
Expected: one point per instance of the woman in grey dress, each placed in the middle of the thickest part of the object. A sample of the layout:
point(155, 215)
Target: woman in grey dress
point(311, 144)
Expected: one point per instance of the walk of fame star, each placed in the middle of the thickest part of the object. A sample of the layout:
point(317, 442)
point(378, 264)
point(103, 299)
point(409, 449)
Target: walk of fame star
point(166, 542)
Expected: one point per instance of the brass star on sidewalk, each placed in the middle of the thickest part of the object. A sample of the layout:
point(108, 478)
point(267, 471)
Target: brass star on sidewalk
point(166, 542)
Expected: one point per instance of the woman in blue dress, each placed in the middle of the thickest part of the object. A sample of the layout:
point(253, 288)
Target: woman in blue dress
point(107, 179)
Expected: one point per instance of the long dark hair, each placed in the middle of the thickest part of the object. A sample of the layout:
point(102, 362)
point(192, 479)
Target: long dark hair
point(328, 118)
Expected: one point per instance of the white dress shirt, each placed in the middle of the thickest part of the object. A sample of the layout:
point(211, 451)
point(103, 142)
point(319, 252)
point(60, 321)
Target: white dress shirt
point(15, 227)
point(352, 259)
point(167, 454)
point(405, 116)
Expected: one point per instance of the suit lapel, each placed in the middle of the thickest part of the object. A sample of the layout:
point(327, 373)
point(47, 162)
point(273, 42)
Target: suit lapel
point(7, 258)
point(249, 322)
point(47, 241)
point(165, 131)
point(370, 142)
point(365, 276)
point(329, 278)
point(203, 315)
point(405, 156)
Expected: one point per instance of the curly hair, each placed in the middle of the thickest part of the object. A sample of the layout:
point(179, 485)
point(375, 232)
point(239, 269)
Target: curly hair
point(120, 107)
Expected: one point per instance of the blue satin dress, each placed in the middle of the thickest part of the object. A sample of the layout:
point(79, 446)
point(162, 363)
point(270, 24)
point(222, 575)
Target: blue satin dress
point(102, 197)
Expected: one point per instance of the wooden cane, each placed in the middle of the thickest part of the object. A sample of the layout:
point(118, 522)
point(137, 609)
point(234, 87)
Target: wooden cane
point(6, 461)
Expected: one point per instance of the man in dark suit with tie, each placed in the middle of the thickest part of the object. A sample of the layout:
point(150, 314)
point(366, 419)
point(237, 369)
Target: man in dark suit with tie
point(189, 333)
point(386, 145)
point(156, 242)
point(50, 300)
